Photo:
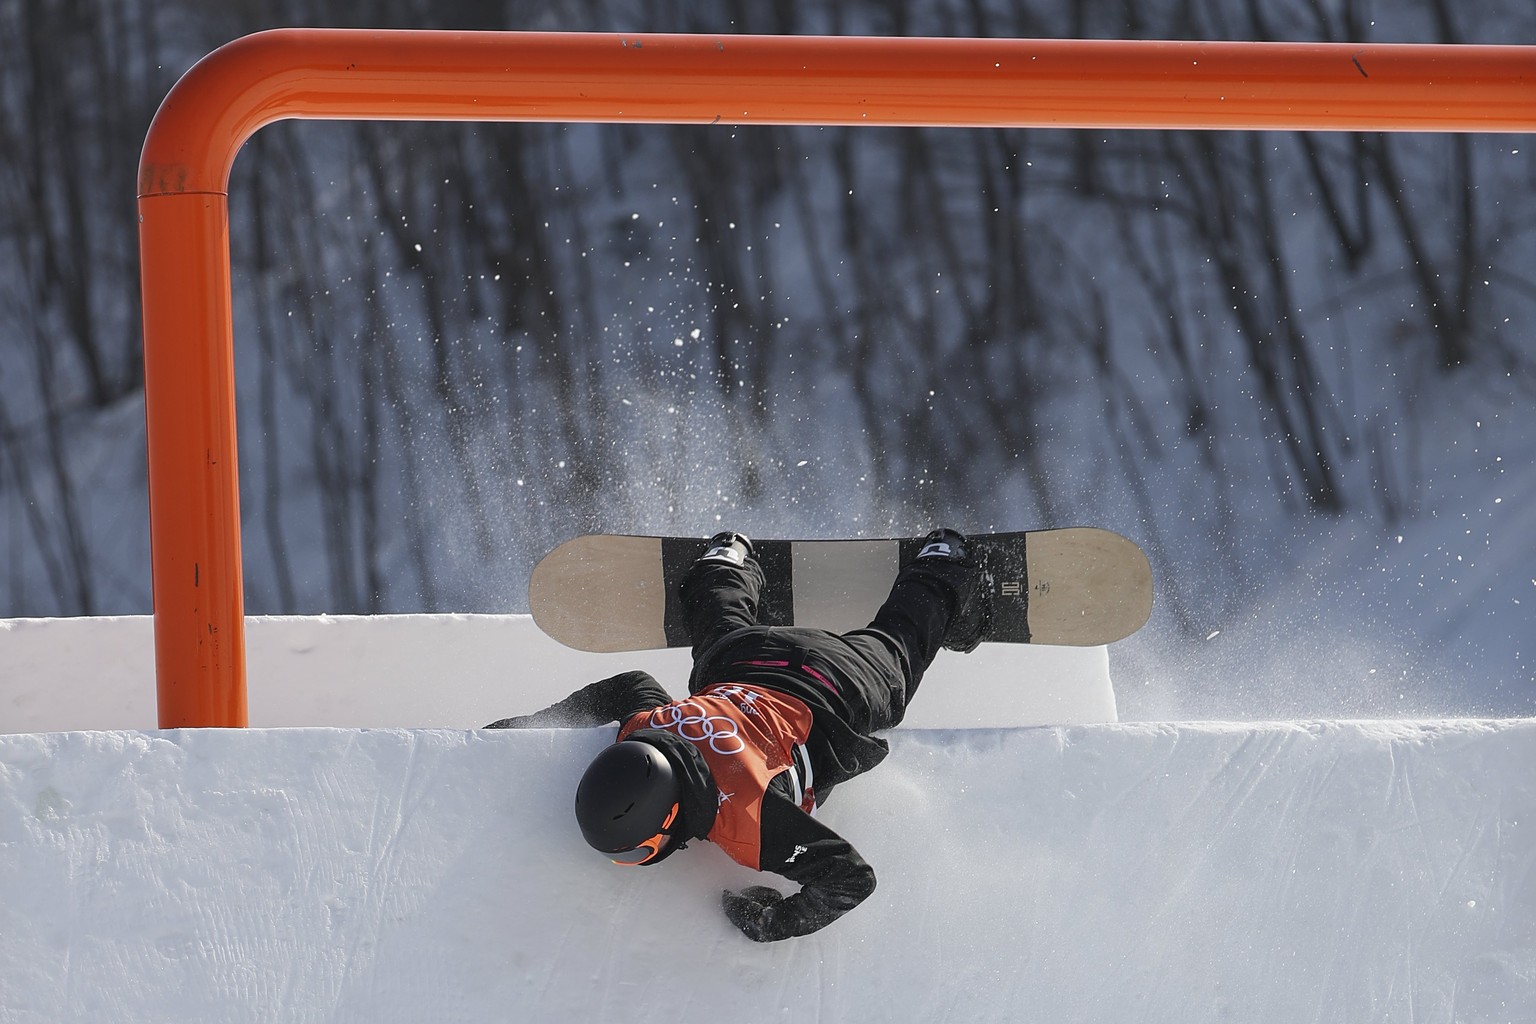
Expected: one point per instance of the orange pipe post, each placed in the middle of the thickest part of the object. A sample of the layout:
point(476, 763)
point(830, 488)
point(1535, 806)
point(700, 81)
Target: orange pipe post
point(738, 80)
point(194, 483)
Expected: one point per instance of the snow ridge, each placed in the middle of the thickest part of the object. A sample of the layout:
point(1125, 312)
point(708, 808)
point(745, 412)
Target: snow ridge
point(1158, 872)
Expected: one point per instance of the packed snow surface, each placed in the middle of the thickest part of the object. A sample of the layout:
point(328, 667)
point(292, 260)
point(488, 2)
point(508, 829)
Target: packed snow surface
point(1350, 871)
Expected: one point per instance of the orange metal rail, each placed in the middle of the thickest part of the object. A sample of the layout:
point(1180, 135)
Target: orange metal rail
point(507, 76)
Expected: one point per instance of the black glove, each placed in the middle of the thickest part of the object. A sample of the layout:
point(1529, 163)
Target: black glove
point(753, 910)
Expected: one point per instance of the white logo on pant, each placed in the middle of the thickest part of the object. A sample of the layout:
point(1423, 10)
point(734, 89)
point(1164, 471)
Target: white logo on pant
point(692, 723)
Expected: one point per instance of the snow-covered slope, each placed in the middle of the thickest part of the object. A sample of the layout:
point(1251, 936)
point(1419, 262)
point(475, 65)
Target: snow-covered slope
point(1098, 872)
point(1158, 873)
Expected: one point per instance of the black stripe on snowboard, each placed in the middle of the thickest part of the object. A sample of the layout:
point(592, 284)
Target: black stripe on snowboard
point(1005, 571)
point(776, 604)
point(908, 548)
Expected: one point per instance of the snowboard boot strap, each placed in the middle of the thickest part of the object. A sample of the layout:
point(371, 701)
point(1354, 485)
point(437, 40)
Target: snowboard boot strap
point(728, 548)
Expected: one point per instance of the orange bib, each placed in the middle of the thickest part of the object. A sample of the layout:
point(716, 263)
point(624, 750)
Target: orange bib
point(746, 735)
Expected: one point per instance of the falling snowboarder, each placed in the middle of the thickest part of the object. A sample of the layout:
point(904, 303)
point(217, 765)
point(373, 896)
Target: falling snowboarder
point(776, 717)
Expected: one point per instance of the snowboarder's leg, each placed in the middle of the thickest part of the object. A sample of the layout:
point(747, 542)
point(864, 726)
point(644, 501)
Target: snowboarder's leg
point(935, 602)
point(720, 591)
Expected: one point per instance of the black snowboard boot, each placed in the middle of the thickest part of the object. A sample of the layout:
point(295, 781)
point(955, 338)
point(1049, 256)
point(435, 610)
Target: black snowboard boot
point(949, 551)
point(729, 548)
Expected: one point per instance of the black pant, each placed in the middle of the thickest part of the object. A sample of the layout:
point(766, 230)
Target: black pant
point(868, 676)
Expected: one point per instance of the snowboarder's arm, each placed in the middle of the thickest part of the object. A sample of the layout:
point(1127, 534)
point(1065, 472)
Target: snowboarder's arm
point(613, 699)
point(833, 877)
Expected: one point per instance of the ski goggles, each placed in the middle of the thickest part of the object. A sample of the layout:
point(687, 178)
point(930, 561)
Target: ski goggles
point(649, 849)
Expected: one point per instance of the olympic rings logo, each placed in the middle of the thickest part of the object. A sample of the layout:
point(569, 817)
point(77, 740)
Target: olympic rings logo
point(694, 724)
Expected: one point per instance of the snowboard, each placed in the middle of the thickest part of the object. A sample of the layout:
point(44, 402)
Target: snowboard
point(1078, 587)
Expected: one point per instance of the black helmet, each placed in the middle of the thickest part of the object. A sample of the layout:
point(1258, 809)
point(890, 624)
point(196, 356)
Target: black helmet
point(629, 794)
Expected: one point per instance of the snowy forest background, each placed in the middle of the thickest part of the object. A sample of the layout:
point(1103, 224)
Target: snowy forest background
point(1296, 368)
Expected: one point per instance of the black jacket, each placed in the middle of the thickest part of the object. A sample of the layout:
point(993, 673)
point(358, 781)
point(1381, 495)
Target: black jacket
point(833, 877)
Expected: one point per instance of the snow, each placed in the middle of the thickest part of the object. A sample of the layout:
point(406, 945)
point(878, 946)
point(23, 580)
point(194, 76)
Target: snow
point(1156, 872)
point(457, 671)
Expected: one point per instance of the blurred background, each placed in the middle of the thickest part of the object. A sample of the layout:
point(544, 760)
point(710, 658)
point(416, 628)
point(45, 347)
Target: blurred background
point(1296, 368)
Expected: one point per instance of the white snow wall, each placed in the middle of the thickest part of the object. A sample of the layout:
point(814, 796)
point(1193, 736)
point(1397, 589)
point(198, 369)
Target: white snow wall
point(1159, 873)
point(459, 671)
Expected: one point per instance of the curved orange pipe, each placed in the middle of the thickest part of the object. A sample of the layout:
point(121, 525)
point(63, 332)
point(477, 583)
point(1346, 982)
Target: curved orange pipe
point(1060, 83)
point(364, 74)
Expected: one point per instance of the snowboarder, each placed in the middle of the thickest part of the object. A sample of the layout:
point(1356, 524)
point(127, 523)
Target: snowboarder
point(776, 717)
